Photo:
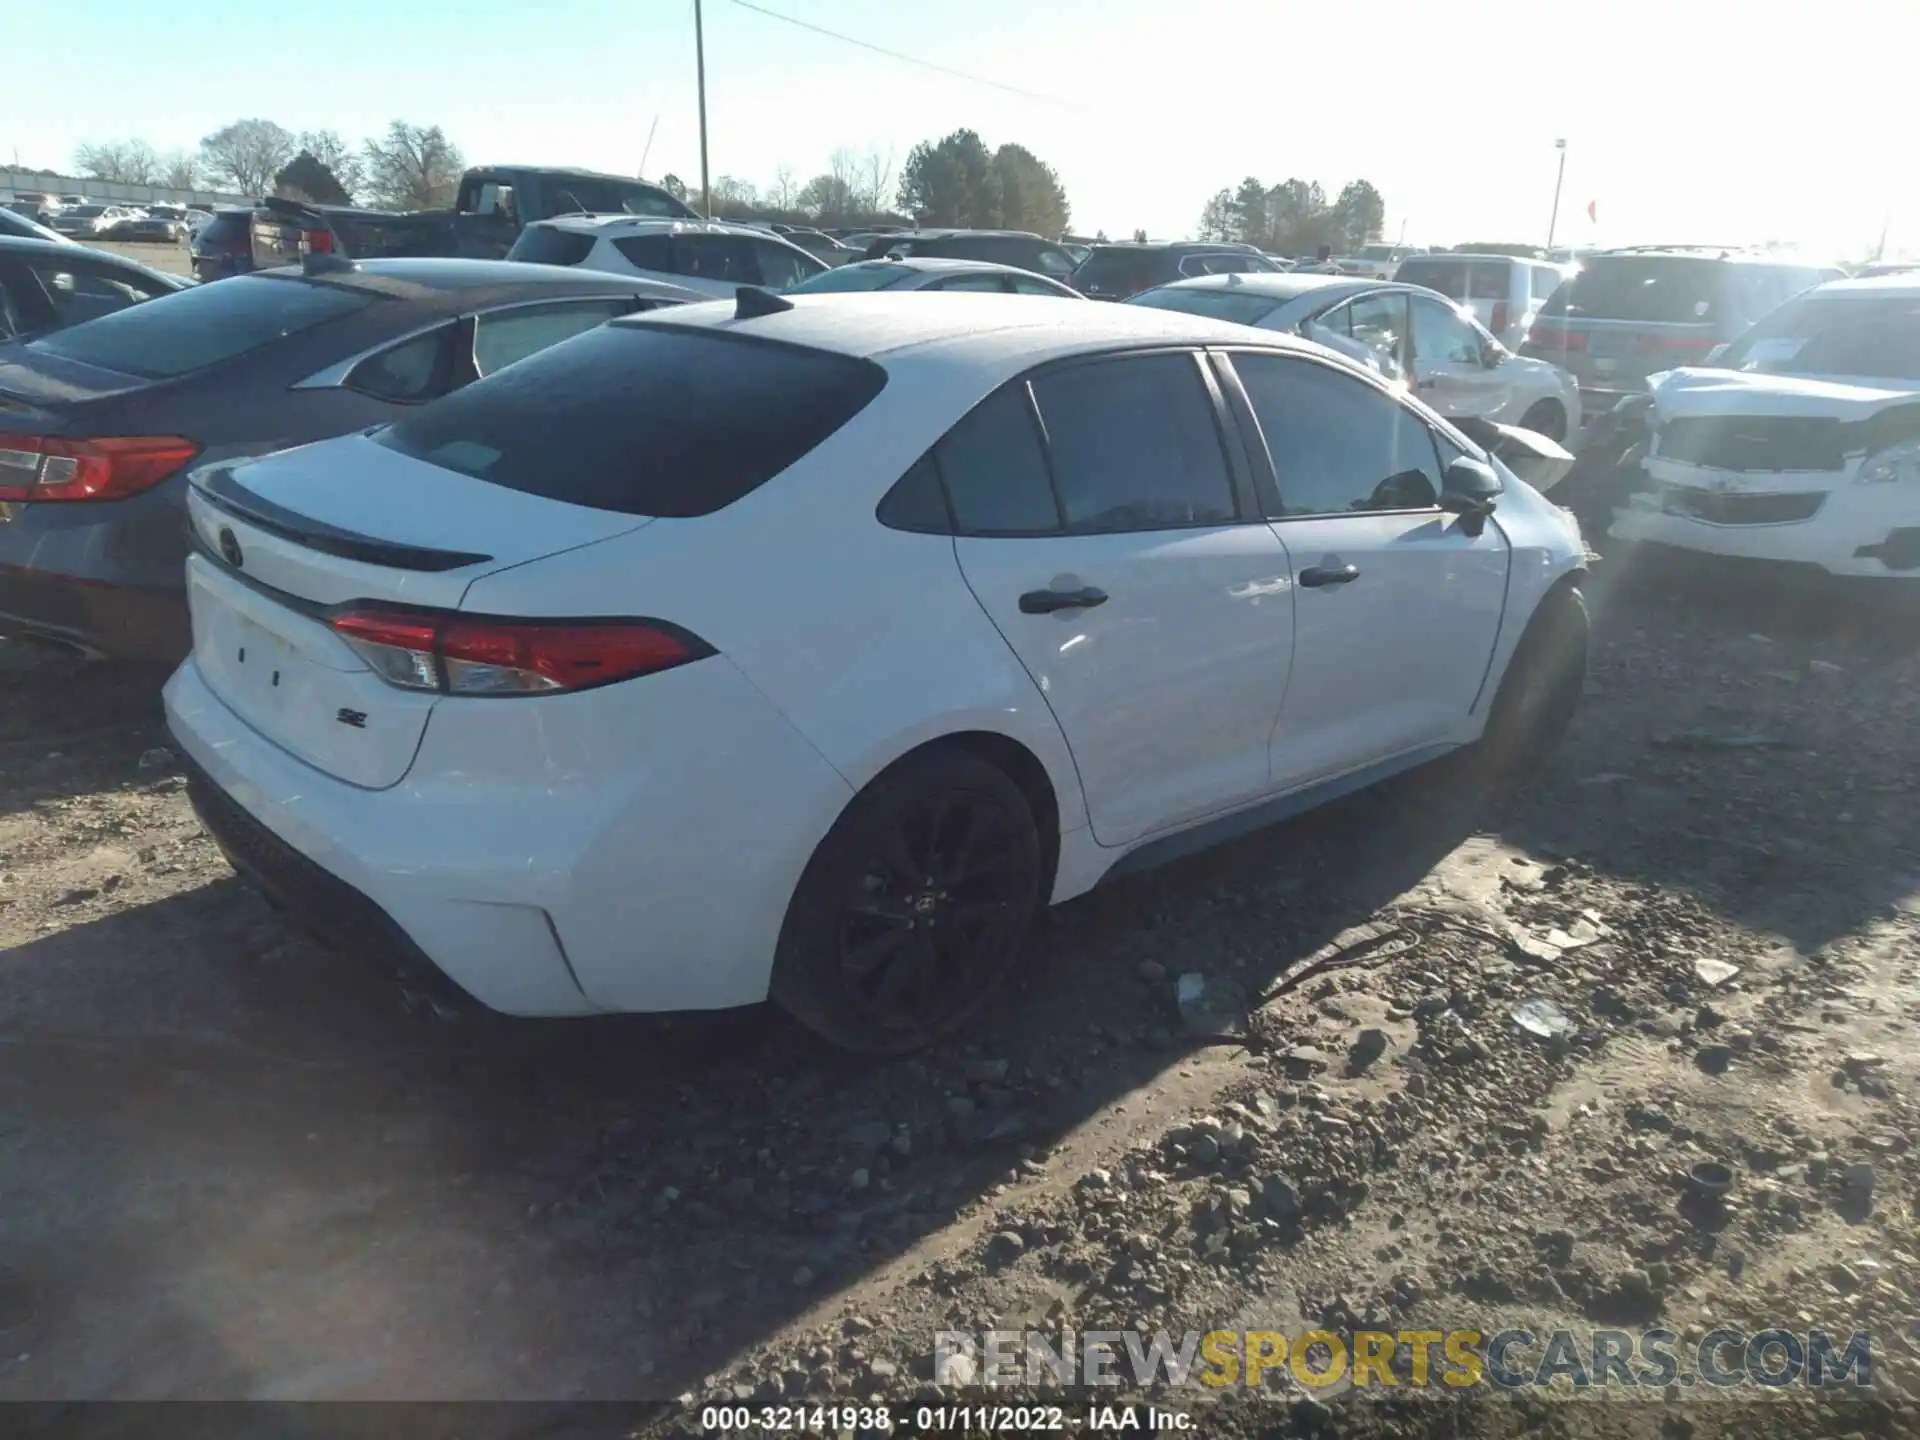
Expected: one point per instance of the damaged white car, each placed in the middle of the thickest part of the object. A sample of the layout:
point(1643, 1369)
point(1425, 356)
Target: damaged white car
point(1801, 443)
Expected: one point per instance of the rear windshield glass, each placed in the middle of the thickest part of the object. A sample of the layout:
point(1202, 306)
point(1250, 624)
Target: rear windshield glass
point(203, 325)
point(1457, 279)
point(226, 226)
point(875, 276)
point(1119, 272)
point(1856, 338)
point(1234, 305)
point(642, 419)
point(546, 245)
point(1664, 289)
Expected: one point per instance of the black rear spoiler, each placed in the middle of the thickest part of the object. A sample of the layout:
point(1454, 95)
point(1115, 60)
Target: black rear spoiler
point(224, 493)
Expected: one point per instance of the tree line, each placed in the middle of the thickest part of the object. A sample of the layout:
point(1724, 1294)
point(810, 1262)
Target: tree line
point(954, 181)
point(1295, 217)
point(409, 167)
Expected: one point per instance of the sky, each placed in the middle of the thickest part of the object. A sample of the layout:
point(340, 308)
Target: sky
point(1708, 121)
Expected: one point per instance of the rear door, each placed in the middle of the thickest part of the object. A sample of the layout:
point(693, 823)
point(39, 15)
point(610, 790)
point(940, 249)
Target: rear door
point(1106, 532)
point(1397, 608)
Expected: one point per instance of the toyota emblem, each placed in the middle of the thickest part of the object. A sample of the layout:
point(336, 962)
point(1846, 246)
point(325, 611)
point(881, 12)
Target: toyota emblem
point(230, 547)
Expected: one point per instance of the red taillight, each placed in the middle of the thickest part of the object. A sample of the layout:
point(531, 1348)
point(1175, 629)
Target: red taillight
point(48, 467)
point(478, 655)
point(316, 242)
point(1501, 314)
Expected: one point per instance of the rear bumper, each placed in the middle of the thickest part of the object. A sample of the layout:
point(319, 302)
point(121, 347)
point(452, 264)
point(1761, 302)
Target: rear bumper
point(629, 848)
point(101, 619)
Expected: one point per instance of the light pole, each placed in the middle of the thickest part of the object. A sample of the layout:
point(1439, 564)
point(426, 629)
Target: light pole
point(700, 61)
point(1558, 180)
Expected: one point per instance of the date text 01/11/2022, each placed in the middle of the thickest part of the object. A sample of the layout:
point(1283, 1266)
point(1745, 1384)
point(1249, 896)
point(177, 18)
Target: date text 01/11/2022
point(933, 1419)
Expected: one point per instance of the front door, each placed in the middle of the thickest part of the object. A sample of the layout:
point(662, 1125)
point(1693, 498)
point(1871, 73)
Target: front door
point(1397, 607)
point(1449, 364)
point(1134, 579)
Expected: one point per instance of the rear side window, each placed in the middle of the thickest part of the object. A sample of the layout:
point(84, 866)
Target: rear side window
point(204, 325)
point(1663, 289)
point(995, 471)
point(550, 245)
point(1121, 272)
point(1135, 445)
point(225, 228)
point(647, 252)
point(642, 419)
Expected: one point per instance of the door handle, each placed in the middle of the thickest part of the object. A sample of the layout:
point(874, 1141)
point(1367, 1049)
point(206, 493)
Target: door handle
point(1315, 576)
point(1045, 602)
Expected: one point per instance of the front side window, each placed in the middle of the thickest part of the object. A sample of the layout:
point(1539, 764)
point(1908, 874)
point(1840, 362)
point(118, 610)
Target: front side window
point(505, 336)
point(1441, 337)
point(1380, 323)
point(1135, 445)
point(1339, 446)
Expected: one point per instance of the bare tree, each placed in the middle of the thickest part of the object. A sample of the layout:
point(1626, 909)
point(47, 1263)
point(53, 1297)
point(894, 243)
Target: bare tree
point(342, 159)
point(413, 168)
point(732, 194)
point(130, 162)
point(876, 179)
point(247, 154)
point(785, 188)
point(180, 170)
point(844, 166)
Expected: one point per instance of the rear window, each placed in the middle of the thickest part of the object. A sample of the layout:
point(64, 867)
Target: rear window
point(228, 226)
point(547, 245)
point(1120, 272)
point(1234, 305)
point(203, 325)
point(868, 275)
point(1458, 279)
point(1664, 289)
point(642, 419)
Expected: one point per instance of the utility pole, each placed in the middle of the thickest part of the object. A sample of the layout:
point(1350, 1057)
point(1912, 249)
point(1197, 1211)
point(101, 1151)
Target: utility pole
point(1560, 179)
point(700, 60)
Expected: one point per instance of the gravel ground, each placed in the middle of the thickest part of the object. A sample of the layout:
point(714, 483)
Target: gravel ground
point(167, 259)
point(234, 1165)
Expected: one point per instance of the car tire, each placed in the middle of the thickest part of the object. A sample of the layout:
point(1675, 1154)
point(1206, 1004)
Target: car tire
point(909, 917)
point(1548, 418)
point(1540, 692)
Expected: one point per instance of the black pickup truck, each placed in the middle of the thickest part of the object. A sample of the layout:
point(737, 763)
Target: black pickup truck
point(493, 203)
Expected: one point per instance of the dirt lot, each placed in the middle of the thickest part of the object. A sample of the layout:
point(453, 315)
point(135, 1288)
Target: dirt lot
point(167, 259)
point(234, 1165)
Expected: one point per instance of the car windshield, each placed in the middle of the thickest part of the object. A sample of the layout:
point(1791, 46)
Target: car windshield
point(873, 275)
point(1665, 289)
point(202, 325)
point(1223, 304)
point(610, 197)
point(1833, 336)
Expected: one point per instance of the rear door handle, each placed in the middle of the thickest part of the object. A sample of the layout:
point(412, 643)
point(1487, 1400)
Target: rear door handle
point(1314, 576)
point(1045, 602)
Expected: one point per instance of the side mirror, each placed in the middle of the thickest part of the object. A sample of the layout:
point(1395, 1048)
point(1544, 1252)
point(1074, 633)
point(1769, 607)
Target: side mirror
point(1469, 489)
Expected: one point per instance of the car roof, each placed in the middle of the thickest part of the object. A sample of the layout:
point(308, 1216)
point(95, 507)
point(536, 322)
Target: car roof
point(951, 231)
point(1896, 285)
point(419, 277)
point(1145, 247)
point(991, 329)
point(654, 224)
point(1284, 284)
point(938, 264)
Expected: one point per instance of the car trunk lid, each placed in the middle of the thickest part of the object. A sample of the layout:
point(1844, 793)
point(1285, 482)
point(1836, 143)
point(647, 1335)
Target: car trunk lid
point(282, 543)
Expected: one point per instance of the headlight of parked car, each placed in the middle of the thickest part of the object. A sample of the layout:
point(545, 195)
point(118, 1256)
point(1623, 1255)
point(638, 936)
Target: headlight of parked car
point(1893, 465)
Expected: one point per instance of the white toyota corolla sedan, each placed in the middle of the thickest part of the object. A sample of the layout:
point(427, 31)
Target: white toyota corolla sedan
point(804, 647)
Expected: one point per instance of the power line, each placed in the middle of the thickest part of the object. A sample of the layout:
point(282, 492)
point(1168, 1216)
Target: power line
point(907, 59)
